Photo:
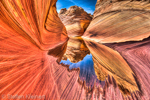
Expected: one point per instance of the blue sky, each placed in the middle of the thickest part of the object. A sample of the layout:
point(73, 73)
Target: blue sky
point(87, 5)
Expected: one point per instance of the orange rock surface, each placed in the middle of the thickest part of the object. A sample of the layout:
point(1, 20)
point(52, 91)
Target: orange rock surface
point(33, 40)
point(31, 45)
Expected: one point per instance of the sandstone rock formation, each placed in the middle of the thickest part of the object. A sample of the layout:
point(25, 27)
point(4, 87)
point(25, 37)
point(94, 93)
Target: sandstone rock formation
point(75, 19)
point(33, 40)
point(138, 57)
point(119, 21)
point(116, 22)
point(111, 63)
point(76, 50)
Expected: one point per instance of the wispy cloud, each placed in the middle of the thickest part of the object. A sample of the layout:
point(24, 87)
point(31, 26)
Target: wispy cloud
point(72, 1)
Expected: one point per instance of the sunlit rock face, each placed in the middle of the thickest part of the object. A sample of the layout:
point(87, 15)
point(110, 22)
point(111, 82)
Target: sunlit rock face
point(76, 50)
point(119, 21)
point(33, 41)
point(28, 65)
point(75, 19)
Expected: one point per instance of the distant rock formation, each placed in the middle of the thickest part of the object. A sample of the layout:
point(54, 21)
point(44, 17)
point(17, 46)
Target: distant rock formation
point(75, 19)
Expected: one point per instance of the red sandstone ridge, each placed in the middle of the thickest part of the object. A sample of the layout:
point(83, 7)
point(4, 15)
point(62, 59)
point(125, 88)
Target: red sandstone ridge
point(75, 19)
point(119, 21)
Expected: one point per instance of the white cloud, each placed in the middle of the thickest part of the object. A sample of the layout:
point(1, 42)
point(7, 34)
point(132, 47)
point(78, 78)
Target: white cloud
point(72, 2)
point(88, 10)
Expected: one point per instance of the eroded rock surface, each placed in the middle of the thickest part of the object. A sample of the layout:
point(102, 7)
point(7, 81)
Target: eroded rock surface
point(33, 40)
point(109, 62)
point(119, 21)
point(75, 19)
point(138, 57)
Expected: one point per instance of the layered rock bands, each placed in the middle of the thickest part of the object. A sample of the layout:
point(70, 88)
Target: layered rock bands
point(33, 40)
point(75, 19)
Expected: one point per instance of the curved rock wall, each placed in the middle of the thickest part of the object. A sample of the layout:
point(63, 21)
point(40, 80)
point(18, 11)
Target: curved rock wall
point(33, 41)
point(119, 21)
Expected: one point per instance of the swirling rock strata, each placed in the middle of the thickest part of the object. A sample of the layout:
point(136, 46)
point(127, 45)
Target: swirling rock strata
point(119, 21)
point(75, 19)
point(138, 57)
point(109, 62)
point(25, 41)
point(30, 32)
point(32, 41)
